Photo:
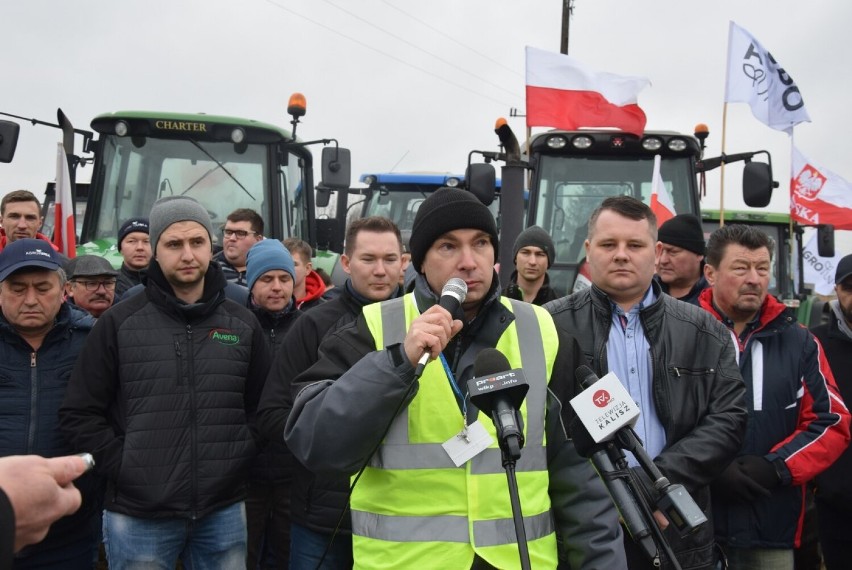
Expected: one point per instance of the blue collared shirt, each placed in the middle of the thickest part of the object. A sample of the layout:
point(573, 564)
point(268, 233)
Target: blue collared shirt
point(629, 357)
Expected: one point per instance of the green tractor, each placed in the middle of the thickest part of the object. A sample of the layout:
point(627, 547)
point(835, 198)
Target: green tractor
point(224, 162)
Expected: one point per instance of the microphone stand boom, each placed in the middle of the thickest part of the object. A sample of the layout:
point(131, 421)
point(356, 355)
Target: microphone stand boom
point(511, 442)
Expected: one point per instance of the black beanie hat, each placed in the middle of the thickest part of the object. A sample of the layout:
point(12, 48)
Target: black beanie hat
point(685, 231)
point(130, 226)
point(536, 237)
point(445, 210)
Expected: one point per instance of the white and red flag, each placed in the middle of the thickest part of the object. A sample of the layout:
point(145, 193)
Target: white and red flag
point(661, 201)
point(819, 196)
point(565, 94)
point(754, 77)
point(64, 229)
point(819, 271)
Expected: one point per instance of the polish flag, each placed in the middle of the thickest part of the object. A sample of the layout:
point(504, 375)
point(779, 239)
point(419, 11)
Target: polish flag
point(565, 94)
point(64, 230)
point(819, 196)
point(661, 201)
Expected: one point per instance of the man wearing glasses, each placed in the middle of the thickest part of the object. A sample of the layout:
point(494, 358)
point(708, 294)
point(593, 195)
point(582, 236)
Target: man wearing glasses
point(243, 228)
point(91, 283)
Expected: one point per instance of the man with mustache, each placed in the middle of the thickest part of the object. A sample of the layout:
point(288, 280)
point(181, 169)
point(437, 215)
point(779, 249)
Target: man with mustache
point(91, 283)
point(798, 424)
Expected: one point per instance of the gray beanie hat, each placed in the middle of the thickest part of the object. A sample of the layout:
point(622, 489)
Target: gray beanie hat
point(536, 237)
point(172, 209)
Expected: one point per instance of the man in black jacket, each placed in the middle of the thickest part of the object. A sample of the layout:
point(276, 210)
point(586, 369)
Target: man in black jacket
point(680, 263)
point(164, 395)
point(269, 275)
point(134, 244)
point(833, 491)
point(373, 260)
point(677, 362)
point(40, 338)
point(533, 255)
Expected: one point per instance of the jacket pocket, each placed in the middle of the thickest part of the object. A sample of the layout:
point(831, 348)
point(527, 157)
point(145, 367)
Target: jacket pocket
point(681, 371)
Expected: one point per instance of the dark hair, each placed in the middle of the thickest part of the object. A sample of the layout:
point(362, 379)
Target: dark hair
point(746, 236)
point(377, 224)
point(18, 196)
point(300, 246)
point(326, 278)
point(247, 215)
point(626, 206)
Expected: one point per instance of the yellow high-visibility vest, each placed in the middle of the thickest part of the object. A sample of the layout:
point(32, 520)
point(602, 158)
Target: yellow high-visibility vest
point(412, 507)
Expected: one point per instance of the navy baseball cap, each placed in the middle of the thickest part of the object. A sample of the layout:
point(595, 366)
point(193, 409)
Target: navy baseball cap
point(26, 253)
point(844, 269)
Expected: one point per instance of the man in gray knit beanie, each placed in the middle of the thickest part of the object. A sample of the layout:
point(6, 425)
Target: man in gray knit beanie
point(172, 209)
point(191, 363)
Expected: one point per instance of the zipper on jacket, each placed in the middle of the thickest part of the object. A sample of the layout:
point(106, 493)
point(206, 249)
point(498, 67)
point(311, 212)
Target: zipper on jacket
point(190, 378)
point(181, 373)
point(33, 423)
point(680, 371)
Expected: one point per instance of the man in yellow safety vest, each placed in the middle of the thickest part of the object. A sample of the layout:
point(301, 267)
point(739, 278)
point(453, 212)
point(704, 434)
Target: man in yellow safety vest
point(364, 404)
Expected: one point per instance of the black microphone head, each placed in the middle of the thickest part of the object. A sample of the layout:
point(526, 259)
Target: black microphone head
point(490, 361)
point(494, 377)
point(585, 376)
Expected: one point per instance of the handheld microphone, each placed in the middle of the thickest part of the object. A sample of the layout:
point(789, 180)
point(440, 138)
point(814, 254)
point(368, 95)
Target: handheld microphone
point(499, 391)
point(452, 296)
point(616, 423)
point(619, 492)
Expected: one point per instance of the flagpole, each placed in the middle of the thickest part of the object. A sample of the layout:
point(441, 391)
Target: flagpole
point(722, 166)
point(798, 286)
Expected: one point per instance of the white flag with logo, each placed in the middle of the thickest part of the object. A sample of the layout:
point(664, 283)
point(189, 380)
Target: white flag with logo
point(819, 270)
point(754, 77)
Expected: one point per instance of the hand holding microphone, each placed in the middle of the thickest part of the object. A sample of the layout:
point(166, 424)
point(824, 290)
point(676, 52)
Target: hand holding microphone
point(430, 333)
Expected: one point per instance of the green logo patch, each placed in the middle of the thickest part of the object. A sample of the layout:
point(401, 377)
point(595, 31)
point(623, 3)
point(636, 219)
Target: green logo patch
point(224, 336)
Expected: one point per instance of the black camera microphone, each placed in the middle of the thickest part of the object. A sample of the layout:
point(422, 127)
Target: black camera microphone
point(452, 296)
point(675, 501)
point(499, 391)
point(619, 492)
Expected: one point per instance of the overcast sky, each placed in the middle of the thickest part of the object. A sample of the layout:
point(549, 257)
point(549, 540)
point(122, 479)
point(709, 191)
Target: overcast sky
point(411, 85)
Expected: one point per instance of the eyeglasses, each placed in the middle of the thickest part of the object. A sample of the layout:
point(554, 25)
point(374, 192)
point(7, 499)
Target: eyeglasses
point(93, 285)
point(239, 234)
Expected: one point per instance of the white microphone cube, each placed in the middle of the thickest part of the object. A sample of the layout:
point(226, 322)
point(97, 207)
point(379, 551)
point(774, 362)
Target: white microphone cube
point(605, 407)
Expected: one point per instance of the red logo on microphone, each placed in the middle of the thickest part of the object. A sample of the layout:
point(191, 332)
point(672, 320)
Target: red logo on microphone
point(601, 398)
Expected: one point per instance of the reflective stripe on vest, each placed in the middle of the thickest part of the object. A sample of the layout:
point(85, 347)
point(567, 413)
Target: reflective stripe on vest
point(469, 505)
point(448, 528)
